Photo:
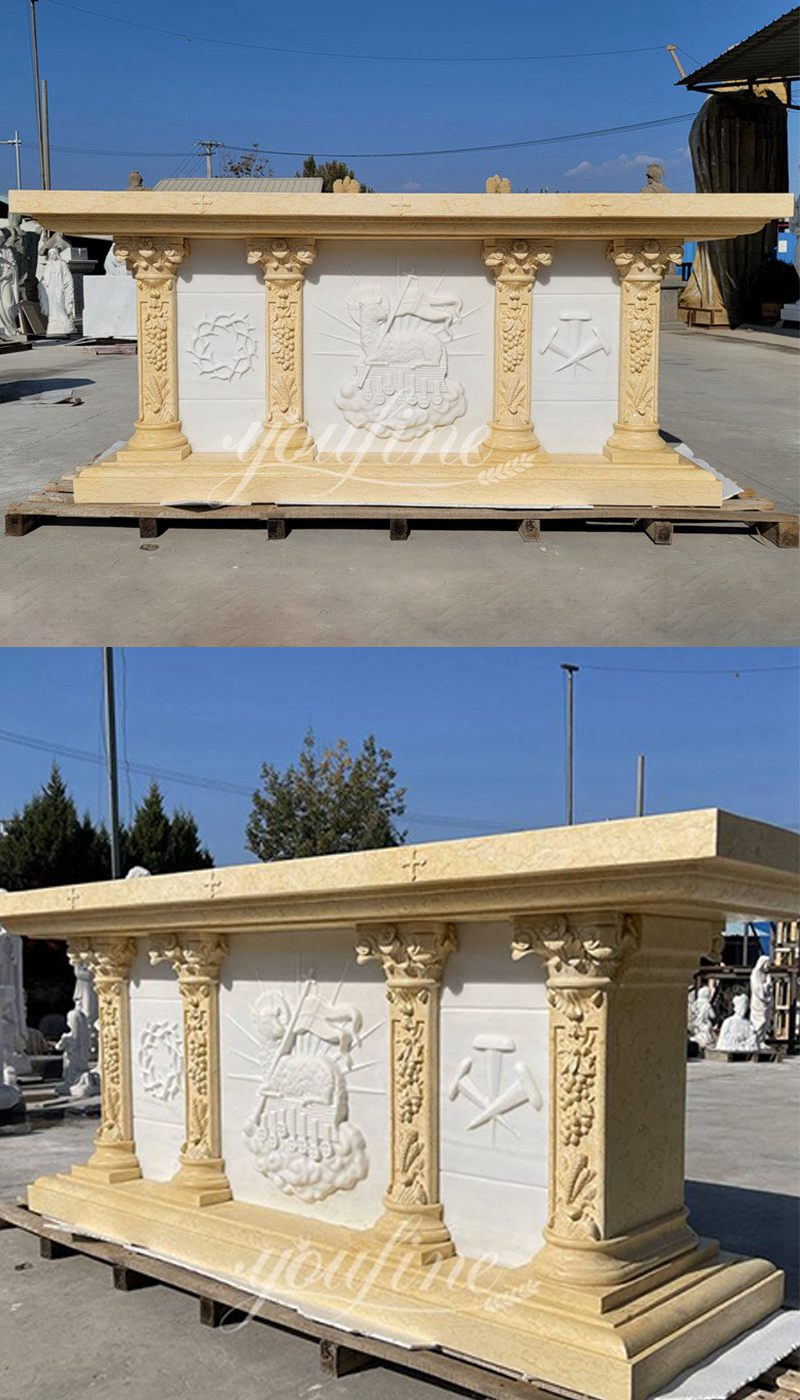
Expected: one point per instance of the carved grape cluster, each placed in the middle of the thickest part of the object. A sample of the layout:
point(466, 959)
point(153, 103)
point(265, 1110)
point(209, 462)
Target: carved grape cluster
point(512, 332)
point(282, 326)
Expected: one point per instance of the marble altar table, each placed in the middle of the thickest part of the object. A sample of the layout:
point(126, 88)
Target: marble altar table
point(492, 350)
point(434, 1092)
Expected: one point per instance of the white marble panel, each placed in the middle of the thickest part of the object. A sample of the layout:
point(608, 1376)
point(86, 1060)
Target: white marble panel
point(398, 340)
point(494, 1097)
point(304, 1068)
point(157, 1067)
point(575, 350)
point(221, 332)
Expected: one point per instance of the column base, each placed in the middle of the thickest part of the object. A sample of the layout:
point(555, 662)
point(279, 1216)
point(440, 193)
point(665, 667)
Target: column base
point(110, 1163)
point(642, 446)
point(418, 1234)
point(503, 444)
point(150, 444)
point(200, 1183)
point(283, 442)
point(585, 1266)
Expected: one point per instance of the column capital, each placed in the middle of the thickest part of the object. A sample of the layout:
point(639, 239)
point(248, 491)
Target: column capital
point(150, 259)
point(283, 258)
point(196, 957)
point(644, 259)
point(108, 958)
point(585, 949)
point(516, 259)
point(412, 953)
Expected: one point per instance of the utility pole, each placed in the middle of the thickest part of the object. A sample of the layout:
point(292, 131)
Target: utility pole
point(640, 785)
point(16, 140)
point(209, 147)
point(570, 670)
point(46, 135)
point(38, 91)
point(672, 50)
point(111, 746)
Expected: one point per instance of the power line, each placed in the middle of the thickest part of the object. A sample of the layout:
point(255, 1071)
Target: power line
point(217, 784)
point(391, 155)
point(692, 671)
point(364, 57)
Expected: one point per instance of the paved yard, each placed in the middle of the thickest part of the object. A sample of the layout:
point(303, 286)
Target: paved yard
point(733, 399)
point(67, 1333)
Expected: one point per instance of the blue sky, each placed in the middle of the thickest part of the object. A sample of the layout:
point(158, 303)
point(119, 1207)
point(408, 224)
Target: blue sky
point(119, 88)
point(477, 734)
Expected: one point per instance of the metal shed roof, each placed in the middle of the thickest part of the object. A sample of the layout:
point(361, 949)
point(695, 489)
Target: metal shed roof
point(772, 53)
point(247, 184)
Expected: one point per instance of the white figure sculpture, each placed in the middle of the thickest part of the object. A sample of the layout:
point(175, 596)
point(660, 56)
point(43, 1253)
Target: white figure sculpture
point(79, 1080)
point(113, 267)
point(9, 289)
point(56, 289)
point(736, 1032)
point(761, 999)
point(136, 872)
point(10, 1096)
point(13, 1009)
point(85, 999)
point(701, 1019)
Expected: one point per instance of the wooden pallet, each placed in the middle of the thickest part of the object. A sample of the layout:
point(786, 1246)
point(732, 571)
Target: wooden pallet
point(55, 502)
point(340, 1352)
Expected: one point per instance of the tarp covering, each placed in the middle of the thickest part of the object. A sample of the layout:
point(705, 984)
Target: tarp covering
point(738, 145)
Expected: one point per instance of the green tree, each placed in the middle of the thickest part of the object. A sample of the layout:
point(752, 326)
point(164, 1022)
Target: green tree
point(47, 843)
point(163, 845)
point(328, 802)
point(330, 170)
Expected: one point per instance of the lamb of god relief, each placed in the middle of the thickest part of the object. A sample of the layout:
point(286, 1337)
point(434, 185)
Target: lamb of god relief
point(300, 1132)
point(400, 385)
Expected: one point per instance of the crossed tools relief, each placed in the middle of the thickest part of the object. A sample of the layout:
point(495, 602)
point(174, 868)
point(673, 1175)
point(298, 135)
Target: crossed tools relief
point(575, 340)
point(496, 1082)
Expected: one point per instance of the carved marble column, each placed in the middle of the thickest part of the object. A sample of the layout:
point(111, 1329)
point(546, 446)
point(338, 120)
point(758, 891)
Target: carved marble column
point(642, 264)
point(617, 993)
point(154, 263)
point(114, 1157)
point(197, 959)
point(284, 263)
point(514, 263)
point(413, 956)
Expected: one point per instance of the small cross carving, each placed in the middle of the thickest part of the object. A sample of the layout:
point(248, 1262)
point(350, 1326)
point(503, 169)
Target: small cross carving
point(214, 884)
point(414, 863)
point(73, 897)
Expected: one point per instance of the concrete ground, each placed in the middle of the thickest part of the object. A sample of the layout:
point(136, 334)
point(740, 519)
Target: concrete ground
point(66, 1332)
point(731, 397)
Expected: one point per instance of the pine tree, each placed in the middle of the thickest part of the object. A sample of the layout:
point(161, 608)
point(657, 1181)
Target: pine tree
point(329, 170)
point(328, 802)
point(161, 844)
point(47, 843)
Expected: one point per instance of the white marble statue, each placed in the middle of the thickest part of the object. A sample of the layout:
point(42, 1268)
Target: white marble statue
point(736, 1032)
point(136, 872)
point(761, 999)
point(56, 289)
point(9, 289)
point(10, 1096)
point(13, 1009)
point(80, 1081)
point(701, 1019)
point(113, 266)
point(85, 999)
